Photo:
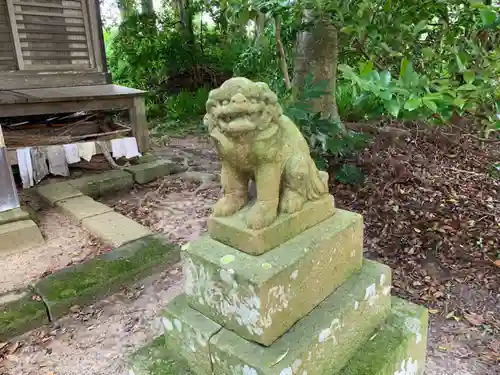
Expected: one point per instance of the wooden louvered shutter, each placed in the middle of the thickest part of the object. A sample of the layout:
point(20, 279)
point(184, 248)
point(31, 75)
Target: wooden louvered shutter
point(53, 34)
point(7, 52)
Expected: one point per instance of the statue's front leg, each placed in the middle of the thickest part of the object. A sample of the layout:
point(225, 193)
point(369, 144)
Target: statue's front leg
point(235, 185)
point(265, 209)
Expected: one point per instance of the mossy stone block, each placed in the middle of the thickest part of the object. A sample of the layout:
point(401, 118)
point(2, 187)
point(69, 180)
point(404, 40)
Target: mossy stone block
point(83, 207)
point(53, 193)
point(147, 172)
point(154, 359)
point(187, 335)
point(320, 343)
point(15, 214)
point(261, 297)
point(18, 236)
point(20, 312)
point(103, 183)
point(398, 347)
point(85, 283)
point(234, 232)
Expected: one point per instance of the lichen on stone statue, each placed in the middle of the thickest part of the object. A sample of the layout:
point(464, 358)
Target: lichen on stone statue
point(256, 141)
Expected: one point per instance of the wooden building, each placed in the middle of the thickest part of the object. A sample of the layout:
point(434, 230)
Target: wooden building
point(52, 60)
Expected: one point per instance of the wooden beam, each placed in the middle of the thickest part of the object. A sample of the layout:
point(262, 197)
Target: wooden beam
point(139, 123)
point(15, 35)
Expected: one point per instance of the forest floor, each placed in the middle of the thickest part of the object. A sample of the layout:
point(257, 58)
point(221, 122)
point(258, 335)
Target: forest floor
point(432, 213)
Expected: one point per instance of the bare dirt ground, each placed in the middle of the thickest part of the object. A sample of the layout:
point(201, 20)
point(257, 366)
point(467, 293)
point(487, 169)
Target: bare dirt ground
point(455, 276)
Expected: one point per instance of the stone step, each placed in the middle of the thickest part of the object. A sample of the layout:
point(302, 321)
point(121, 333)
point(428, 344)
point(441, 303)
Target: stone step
point(83, 207)
point(397, 348)
point(233, 231)
point(261, 297)
point(18, 236)
point(320, 343)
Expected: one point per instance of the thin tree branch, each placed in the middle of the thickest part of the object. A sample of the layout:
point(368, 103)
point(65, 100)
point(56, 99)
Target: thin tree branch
point(281, 52)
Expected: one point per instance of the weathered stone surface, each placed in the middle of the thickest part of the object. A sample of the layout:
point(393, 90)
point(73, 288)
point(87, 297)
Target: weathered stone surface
point(19, 236)
point(16, 214)
point(96, 278)
point(83, 207)
point(114, 228)
point(103, 183)
point(155, 359)
point(256, 141)
point(52, 193)
point(397, 348)
point(20, 312)
point(262, 297)
point(147, 172)
point(234, 232)
point(187, 335)
point(320, 343)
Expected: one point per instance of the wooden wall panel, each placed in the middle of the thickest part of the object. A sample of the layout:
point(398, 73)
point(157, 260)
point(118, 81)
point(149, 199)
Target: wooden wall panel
point(7, 52)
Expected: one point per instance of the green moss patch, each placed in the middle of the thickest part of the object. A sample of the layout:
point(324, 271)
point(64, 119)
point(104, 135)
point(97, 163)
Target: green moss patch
point(103, 183)
point(20, 312)
point(155, 359)
point(399, 344)
point(85, 283)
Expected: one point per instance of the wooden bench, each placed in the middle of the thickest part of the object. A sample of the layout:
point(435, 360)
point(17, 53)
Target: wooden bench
point(26, 102)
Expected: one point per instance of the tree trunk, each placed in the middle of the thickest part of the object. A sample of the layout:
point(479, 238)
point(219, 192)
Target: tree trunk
point(186, 19)
point(260, 23)
point(317, 54)
point(147, 7)
point(126, 7)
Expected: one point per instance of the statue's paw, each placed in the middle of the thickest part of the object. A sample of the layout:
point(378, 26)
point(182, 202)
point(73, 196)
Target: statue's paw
point(261, 215)
point(229, 205)
point(291, 202)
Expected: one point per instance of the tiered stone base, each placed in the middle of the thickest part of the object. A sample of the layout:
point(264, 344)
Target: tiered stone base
point(396, 347)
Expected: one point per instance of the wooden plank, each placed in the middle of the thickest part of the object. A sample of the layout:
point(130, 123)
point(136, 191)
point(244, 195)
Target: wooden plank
point(33, 79)
point(31, 36)
point(15, 35)
point(61, 15)
point(48, 22)
point(139, 123)
point(52, 49)
point(54, 30)
point(96, 27)
point(47, 5)
point(74, 66)
point(88, 35)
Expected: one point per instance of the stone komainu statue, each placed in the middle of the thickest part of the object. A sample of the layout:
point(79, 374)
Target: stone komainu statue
point(255, 140)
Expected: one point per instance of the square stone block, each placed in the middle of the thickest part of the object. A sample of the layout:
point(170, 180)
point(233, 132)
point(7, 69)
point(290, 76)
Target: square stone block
point(52, 193)
point(398, 347)
point(320, 343)
point(114, 228)
point(261, 297)
point(187, 335)
point(19, 236)
point(147, 172)
point(15, 214)
point(80, 208)
point(104, 183)
point(233, 231)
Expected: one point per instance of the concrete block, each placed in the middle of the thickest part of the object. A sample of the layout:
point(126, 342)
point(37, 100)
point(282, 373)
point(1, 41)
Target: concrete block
point(52, 193)
point(261, 297)
point(83, 207)
point(398, 347)
point(19, 236)
point(147, 172)
point(320, 343)
point(103, 183)
point(233, 231)
point(85, 283)
point(114, 228)
point(20, 312)
point(187, 335)
point(15, 214)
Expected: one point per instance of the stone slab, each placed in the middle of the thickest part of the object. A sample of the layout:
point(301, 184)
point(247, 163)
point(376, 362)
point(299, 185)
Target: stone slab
point(320, 343)
point(20, 312)
point(15, 214)
point(115, 229)
point(154, 359)
point(147, 172)
point(53, 193)
point(104, 183)
point(85, 283)
point(19, 236)
point(83, 207)
point(187, 335)
point(233, 231)
point(261, 297)
point(397, 348)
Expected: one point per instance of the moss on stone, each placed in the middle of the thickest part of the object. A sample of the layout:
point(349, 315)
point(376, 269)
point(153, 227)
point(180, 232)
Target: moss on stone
point(147, 172)
point(104, 183)
point(399, 344)
point(85, 283)
point(154, 359)
point(20, 312)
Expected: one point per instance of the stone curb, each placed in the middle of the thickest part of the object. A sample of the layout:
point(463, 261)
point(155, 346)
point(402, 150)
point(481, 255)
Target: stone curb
point(84, 284)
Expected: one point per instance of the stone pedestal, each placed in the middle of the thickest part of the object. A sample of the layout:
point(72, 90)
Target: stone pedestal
point(308, 304)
